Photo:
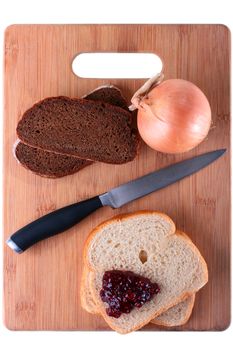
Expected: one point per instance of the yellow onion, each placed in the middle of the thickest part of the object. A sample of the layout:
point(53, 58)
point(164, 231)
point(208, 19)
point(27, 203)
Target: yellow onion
point(173, 117)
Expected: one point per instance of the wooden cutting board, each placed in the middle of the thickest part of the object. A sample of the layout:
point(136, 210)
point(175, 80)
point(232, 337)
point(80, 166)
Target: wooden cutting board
point(41, 286)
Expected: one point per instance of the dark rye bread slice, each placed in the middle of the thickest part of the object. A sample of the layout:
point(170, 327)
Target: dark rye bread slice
point(92, 130)
point(109, 94)
point(48, 164)
point(54, 165)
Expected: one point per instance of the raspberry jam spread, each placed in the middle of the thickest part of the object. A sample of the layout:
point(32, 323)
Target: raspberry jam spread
point(124, 290)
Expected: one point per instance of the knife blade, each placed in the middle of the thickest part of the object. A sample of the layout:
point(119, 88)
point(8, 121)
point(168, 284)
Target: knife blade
point(119, 196)
point(66, 217)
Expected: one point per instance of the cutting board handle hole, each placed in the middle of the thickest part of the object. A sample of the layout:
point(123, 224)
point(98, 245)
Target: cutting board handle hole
point(115, 65)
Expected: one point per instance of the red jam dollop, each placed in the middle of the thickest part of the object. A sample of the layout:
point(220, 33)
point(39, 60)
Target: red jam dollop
point(124, 290)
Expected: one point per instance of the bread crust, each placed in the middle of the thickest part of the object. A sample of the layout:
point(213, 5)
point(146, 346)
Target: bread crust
point(89, 308)
point(172, 231)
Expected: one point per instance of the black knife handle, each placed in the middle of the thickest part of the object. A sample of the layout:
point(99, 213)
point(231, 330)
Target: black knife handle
point(52, 224)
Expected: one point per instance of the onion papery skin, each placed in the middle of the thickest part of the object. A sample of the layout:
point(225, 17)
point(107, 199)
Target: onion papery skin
point(174, 117)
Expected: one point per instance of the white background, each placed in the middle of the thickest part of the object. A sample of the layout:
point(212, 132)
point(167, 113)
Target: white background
point(111, 11)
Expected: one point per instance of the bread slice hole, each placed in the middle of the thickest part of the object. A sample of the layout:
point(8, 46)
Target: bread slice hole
point(117, 245)
point(143, 256)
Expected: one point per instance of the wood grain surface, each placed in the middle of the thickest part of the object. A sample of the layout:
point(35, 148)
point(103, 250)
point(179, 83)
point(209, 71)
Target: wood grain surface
point(41, 286)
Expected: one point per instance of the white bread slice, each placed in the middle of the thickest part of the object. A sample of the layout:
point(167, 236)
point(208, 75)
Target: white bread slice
point(173, 317)
point(177, 315)
point(172, 261)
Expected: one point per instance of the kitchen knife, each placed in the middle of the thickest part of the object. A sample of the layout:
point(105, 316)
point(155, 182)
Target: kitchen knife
point(66, 217)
